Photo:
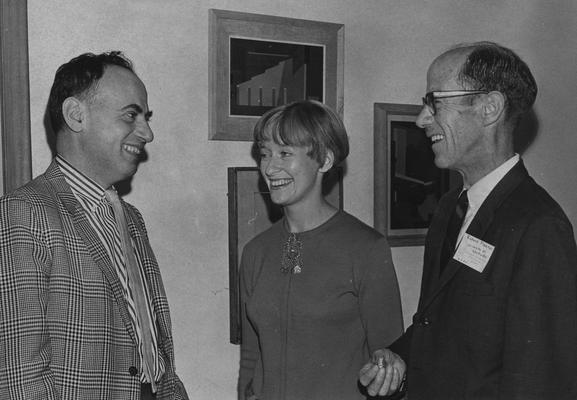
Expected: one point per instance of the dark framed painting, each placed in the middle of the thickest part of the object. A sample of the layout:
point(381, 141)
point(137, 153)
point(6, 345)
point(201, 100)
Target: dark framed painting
point(407, 184)
point(250, 212)
point(258, 62)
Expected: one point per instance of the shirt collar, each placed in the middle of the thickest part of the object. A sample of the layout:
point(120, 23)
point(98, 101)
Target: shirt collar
point(82, 186)
point(481, 189)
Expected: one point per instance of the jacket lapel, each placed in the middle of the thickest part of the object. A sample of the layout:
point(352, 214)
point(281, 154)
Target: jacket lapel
point(90, 239)
point(434, 244)
point(152, 276)
point(144, 251)
point(500, 193)
point(478, 227)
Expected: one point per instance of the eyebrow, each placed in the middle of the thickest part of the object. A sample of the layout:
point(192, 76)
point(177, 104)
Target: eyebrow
point(139, 110)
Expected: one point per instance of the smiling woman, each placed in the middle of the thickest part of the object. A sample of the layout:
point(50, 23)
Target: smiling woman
point(15, 160)
point(318, 290)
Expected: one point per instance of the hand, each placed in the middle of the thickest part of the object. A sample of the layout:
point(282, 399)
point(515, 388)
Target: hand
point(384, 374)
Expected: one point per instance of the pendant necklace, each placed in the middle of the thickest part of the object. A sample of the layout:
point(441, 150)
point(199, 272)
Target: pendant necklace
point(291, 255)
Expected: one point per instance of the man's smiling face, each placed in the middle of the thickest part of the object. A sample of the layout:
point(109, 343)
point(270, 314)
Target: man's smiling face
point(116, 127)
point(455, 129)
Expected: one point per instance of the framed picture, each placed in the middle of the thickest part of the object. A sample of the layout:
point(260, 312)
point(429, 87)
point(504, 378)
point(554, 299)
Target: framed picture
point(250, 211)
point(407, 183)
point(15, 141)
point(258, 62)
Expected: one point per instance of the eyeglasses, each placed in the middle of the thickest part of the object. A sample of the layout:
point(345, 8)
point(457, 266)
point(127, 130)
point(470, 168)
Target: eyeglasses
point(429, 99)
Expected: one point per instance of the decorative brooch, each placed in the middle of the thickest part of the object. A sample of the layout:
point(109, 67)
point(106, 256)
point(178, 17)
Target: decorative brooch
point(291, 255)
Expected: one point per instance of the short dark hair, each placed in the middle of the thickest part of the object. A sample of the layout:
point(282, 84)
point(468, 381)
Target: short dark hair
point(490, 66)
point(306, 123)
point(78, 77)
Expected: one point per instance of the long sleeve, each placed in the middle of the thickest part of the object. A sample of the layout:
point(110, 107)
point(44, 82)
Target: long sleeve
point(25, 350)
point(540, 345)
point(249, 349)
point(379, 297)
point(402, 346)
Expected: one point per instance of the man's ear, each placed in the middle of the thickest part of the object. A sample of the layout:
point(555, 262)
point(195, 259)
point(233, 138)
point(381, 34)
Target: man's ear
point(329, 161)
point(493, 107)
point(73, 112)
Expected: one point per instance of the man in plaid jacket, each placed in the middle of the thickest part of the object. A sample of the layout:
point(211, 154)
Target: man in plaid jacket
point(69, 321)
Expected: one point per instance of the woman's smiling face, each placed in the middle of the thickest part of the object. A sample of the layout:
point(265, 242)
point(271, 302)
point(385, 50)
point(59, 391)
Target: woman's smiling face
point(292, 176)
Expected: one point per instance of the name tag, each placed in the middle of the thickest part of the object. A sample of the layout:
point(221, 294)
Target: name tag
point(473, 252)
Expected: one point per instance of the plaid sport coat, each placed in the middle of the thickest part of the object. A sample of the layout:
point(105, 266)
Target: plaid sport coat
point(65, 331)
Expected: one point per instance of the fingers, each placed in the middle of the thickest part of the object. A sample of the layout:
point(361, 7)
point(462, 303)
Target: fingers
point(377, 384)
point(390, 386)
point(368, 373)
point(384, 374)
point(378, 357)
point(398, 378)
point(401, 368)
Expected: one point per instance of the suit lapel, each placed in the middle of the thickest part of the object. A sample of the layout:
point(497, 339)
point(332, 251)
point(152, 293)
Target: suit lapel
point(151, 274)
point(478, 227)
point(500, 193)
point(90, 239)
point(434, 244)
point(143, 249)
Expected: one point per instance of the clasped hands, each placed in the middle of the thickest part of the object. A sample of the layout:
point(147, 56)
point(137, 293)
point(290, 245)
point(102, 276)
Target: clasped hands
point(384, 374)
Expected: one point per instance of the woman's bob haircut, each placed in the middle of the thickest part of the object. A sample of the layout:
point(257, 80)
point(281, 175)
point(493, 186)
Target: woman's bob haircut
point(305, 123)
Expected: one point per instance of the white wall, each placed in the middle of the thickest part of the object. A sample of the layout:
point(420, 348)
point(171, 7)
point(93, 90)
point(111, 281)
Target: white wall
point(181, 190)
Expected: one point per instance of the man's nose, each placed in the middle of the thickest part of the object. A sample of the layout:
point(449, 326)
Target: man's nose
point(425, 117)
point(145, 132)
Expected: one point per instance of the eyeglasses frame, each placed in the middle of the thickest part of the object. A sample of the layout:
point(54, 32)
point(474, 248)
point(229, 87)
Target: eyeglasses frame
point(430, 97)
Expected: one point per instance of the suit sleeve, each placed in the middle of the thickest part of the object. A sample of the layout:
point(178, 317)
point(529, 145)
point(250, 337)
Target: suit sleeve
point(540, 343)
point(402, 346)
point(249, 348)
point(179, 389)
point(379, 298)
point(24, 271)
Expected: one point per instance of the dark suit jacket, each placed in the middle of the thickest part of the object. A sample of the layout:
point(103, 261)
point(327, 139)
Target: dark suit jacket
point(509, 332)
point(65, 331)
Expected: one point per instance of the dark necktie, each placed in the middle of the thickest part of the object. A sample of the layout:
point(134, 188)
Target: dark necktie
point(453, 229)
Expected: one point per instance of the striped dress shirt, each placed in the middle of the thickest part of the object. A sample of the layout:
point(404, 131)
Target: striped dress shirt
point(99, 213)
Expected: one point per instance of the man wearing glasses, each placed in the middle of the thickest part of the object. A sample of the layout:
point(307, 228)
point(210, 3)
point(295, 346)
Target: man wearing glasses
point(497, 316)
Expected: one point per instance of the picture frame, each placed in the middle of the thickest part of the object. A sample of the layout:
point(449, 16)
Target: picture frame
point(15, 139)
point(257, 62)
point(250, 212)
point(407, 184)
